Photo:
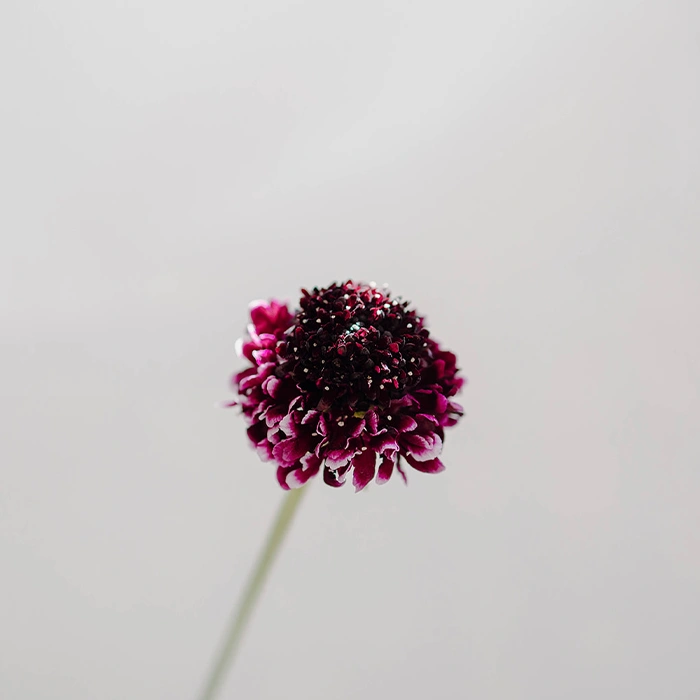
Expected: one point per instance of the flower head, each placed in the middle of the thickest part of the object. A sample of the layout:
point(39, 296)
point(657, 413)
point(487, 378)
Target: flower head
point(350, 383)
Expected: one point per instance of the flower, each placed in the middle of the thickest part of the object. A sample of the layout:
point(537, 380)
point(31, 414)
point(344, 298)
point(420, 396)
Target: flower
point(351, 382)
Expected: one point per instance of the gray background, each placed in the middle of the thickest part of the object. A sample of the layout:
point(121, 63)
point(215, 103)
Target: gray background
point(526, 173)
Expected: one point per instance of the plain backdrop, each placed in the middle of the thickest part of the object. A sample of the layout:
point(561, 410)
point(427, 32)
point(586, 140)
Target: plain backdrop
point(526, 173)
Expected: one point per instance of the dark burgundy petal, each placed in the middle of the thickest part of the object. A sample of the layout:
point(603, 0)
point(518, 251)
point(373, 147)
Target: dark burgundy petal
point(363, 465)
point(424, 419)
point(386, 467)
point(431, 401)
point(405, 402)
point(310, 418)
point(257, 432)
point(323, 425)
point(269, 386)
point(338, 441)
point(431, 466)
point(372, 421)
point(282, 477)
point(263, 356)
point(259, 314)
point(338, 458)
point(335, 477)
point(385, 442)
point(404, 423)
point(273, 415)
point(240, 376)
point(352, 427)
point(311, 461)
point(270, 317)
point(413, 443)
point(296, 403)
point(455, 385)
point(248, 383)
point(247, 350)
point(289, 424)
point(422, 447)
point(309, 467)
point(290, 451)
point(440, 403)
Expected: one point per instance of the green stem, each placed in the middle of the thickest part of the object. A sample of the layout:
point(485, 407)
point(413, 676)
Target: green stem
point(252, 592)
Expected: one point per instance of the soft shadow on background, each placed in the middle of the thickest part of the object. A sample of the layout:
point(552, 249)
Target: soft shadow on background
point(526, 173)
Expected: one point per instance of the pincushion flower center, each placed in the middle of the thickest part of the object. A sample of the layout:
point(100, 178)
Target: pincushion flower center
point(357, 346)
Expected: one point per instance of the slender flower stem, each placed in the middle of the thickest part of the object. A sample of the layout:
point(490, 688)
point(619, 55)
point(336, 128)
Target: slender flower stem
point(275, 537)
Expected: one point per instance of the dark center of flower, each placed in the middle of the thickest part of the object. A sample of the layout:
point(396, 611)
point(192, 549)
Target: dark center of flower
point(353, 346)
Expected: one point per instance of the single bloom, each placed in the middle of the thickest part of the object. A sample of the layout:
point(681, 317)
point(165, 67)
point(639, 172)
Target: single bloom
point(350, 383)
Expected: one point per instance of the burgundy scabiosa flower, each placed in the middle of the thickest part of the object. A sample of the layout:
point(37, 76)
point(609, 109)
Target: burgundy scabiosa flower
point(351, 382)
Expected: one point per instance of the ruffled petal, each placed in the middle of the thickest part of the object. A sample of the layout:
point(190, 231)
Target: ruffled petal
point(431, 466)
point(282, 477)
point(310, 465)
point(263, 355)
point(352, 427)
point(273, 415)
point(257, 432)
point(335, 477)
point(403, 423)
point(270, 385)
point(338, 458)
point(289, 451)
point(269, 317)
point(288, 424)
point(372, 421)
point(311, 418)
point(384, 443)
point(364, 465)
point(386, 467)
point(431, 400)
point(422, 447)
point(404, 402)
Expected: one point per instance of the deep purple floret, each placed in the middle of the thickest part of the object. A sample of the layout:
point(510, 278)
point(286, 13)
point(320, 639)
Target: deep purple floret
point(352, 382)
